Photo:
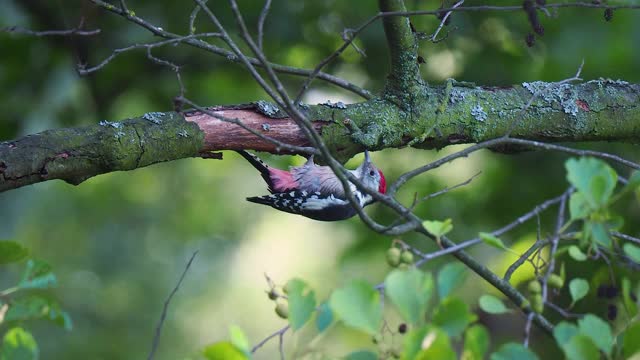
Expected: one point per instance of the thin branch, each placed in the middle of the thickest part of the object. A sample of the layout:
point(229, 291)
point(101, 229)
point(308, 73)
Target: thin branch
point(563, 312)
point(555, 240)
point(261, 20)
point(497, 8)
point(521, 259)
point(512, 225)
point(229, 55)
point(70, 32)
point(192, 19)
point(165, 308)
point(502, 141)
point(444, 20)
point(527, 330)
point(345, 45)
point(450, 188)
point(279, 333)
point(83, 70)
point(625, 237)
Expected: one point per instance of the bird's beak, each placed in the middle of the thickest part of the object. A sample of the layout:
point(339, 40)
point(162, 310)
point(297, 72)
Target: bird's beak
point(367, 158)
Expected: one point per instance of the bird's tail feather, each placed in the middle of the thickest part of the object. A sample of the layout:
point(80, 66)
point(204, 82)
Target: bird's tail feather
point(259, 165)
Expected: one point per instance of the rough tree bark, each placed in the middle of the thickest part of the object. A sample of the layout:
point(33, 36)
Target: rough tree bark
point(598, 110)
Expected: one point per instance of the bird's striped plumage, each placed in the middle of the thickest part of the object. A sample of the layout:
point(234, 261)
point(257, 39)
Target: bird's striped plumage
point(314, 191)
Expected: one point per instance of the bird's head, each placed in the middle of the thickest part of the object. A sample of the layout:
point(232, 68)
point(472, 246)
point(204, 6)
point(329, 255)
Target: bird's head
point(370, 175)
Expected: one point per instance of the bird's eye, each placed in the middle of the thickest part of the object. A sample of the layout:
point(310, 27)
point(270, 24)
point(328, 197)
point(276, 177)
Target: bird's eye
point(371, 173)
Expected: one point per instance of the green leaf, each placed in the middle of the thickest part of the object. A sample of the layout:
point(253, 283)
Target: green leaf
point(40, 282)
point(598, 190)
point(450, 277)
point(579, 206)
point(11, 251)
point(302, 303)
point(632, 251)
point(563, 332)
point(239, 339)
point(410, 291)
point(634, 180)
point(358, 306)
point(362, 355)
point(492, 240)
point(598, 331)
point(453, 316)
point(594, 178)
point(492, 305)
point(476, 343)
point(630, 305)
point(578, 288)
point(324, 318)
point(438, 228)
point(631, 344)
point(18, 344)
point(614, 222)
point(35, 268)
point(580, 347)
point(599, 233)
point(576, 253)
point(37, 307)
point(37, 275)
point(413, 342)
point(427, 343)
point(513, 351)
point(223, 350)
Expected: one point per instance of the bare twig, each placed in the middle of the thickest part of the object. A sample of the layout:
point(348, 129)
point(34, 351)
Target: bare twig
point(524, 257)
point(279, 333)
point(261, 20)
point(444, 20)
point(229, 55)
point(527, 330)
point(562, 312)
point(416, 201)
point(70, 32)
point(502, 141)
point(555, 239)
point(83, 70)
point(519, 221)
point(625, 237)
point(165, 308)
point(450, 188)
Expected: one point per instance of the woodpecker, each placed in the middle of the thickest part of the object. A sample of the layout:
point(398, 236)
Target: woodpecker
point(314, 191)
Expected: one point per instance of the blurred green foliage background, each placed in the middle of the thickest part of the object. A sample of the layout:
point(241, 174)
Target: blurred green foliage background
point(118, 242)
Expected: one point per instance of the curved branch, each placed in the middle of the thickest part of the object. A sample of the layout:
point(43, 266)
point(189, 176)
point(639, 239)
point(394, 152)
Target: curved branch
point(158, 31)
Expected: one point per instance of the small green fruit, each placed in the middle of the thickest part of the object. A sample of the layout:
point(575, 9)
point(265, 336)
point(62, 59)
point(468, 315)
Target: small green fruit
point(282, 309)
point(406, 257)
point(536, 303)
point(534, 287)
point(555, 281)
point(393, 257)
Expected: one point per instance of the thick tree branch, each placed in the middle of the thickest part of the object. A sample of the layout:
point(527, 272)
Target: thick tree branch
point(600, 110)
point(404, 84)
